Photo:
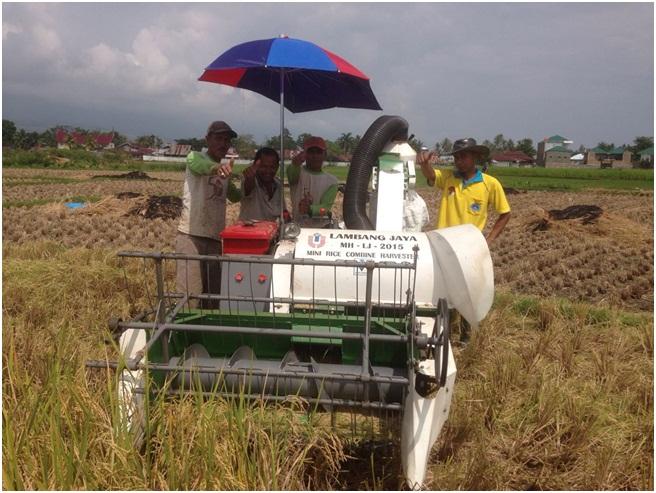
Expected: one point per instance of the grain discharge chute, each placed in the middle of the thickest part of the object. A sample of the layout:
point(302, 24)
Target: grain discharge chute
point(353, 318)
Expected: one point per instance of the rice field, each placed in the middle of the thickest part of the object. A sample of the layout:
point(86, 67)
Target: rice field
point(555, 390)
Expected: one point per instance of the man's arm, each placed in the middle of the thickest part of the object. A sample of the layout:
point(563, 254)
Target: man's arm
point(249, 177)
point(496, 230)
point(201, 165)
point(424, 158)
point(326, 201)
point(294, 171)
point(502, 207)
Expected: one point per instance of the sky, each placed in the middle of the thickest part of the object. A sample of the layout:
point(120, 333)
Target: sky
point(581, 70)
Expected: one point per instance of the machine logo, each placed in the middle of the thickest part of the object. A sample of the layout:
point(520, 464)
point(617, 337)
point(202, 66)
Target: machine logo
point(317, 240)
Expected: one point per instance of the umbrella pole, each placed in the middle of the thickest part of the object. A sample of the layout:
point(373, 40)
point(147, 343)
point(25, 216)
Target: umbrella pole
point(282, 148)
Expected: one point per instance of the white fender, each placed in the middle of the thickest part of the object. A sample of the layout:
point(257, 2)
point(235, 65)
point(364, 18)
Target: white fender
point(131, 412)
point(423, 417)
point(464, 270)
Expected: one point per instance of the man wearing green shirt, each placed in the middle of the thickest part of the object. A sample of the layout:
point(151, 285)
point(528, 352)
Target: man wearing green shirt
point(207, 185)
point(312, 189)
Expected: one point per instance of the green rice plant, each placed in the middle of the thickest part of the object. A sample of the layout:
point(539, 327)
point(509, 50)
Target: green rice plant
point(575, 173)
point(526, 307)
point(82, 159)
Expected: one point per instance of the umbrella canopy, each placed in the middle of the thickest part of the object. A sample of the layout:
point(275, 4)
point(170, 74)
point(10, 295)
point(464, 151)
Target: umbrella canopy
point(313, 77)
point(297, 74)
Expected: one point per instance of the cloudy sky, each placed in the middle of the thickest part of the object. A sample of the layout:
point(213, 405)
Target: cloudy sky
point(584, 70)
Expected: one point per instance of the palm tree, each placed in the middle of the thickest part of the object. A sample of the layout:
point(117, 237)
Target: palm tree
point(345, 142)
point(446, 146)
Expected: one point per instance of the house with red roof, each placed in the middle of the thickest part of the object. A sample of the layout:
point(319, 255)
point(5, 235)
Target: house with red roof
point(512, 158)
point(104, 140)
point(97, 140)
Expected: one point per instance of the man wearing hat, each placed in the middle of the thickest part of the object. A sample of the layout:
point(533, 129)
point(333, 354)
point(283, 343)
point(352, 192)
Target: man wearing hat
point(312, 189)
point(207, 185)
point(467, 193)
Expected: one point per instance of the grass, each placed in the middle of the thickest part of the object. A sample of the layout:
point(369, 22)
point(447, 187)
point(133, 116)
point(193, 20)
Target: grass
point(553, 179)
point(576, 173)
point(573, 178)
point(522, 178)
point(81, 159)
point(549, 395)
point(570, 184)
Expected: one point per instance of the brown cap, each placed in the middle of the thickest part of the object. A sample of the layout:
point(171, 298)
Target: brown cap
point(219, 127)
point(314, 142)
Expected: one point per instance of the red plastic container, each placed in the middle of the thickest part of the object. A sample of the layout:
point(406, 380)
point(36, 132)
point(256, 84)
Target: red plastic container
point(252, 238)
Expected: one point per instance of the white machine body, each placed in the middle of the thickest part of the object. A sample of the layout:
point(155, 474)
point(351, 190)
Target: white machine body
point(392, 179)
point(452, 263)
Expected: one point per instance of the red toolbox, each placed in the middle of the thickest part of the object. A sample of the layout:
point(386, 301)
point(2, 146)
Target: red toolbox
point(250, 237)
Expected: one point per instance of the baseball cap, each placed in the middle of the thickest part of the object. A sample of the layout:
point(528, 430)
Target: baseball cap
point(221, 127)
point(314, 142)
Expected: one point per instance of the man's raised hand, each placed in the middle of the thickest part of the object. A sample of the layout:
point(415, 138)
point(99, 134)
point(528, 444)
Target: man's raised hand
point(249, 173)
point(299, 158)
point(224, 170)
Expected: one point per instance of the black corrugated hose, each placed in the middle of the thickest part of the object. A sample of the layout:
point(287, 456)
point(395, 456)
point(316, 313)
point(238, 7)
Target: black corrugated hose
point(385, 129)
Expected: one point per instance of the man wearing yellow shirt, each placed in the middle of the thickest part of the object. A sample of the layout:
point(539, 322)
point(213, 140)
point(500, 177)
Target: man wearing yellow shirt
point(467, 193)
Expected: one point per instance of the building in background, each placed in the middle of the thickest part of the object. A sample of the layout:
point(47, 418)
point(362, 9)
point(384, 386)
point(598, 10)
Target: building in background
point(578, 158)
point(558, 157)
point(554, 152)
point(618, 157)
point(512, 158)
point(647, 158)
point(67, 138)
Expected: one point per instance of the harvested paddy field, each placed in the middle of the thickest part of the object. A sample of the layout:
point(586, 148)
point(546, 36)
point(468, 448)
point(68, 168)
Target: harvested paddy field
point(608, 261)
point(555, 390)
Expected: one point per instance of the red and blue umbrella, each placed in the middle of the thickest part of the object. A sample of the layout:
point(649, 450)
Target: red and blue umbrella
point(303, 75)
point(299, 75)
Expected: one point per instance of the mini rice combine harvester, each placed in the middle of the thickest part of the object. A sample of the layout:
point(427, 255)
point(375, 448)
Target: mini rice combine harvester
point(346, 318)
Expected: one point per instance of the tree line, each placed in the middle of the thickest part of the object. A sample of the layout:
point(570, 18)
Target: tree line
point(19, 138)
point(245, 144)
point(499, 143)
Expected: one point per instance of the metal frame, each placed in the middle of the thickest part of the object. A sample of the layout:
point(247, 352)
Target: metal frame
point(163, 325)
